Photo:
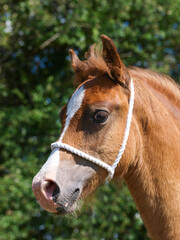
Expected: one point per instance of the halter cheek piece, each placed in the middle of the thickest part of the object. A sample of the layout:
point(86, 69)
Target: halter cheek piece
point(109, 168)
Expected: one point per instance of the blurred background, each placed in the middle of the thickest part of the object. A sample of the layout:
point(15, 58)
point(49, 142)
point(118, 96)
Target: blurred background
point(36, 80)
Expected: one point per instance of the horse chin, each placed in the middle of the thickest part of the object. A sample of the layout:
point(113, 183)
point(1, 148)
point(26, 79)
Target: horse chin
point(69, 210)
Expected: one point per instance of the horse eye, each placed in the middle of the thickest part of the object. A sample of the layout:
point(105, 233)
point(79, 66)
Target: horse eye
point(100, 116)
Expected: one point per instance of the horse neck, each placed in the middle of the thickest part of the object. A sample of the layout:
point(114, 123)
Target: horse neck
point(154, 180)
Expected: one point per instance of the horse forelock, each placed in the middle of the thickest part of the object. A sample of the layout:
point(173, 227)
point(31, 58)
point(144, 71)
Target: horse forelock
point(93, 66)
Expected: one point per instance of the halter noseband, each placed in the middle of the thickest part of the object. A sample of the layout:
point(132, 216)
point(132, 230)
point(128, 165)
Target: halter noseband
point(109, 168)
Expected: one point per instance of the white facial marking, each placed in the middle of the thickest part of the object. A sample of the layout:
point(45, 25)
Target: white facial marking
point(72, 107)
point(75, 102)
point(51, 163)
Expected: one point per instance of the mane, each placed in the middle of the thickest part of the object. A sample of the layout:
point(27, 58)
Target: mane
point(158, 81)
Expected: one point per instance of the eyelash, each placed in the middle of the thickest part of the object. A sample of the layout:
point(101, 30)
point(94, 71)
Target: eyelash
point(100, 116)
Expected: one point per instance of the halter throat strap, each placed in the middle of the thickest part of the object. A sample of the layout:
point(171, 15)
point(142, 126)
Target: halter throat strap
point(110, 168)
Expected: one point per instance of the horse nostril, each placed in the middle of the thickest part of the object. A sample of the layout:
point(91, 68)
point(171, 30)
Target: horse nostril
point(75, 195)
point(52, 190)
point(56, 193)
point(77, 190)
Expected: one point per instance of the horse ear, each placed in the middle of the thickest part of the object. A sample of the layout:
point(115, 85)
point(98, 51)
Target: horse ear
point(79, 67)
point(117, 69)
point(76, 63)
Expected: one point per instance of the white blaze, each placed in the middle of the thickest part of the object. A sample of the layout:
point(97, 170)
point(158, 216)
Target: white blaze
point(72, 107)
point(51, 164)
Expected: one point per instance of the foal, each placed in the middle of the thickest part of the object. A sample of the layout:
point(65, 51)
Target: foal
point(120, 122)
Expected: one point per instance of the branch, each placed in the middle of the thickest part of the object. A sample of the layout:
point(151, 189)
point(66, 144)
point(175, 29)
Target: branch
point(50, 40)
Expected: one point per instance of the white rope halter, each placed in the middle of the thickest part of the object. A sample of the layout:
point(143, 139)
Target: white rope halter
point(109, 168)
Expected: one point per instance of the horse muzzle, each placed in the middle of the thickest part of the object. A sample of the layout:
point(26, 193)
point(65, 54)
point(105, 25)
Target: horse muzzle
point(52, 199)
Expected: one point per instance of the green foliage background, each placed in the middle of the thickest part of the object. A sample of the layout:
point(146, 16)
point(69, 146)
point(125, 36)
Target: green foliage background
point(36, 80)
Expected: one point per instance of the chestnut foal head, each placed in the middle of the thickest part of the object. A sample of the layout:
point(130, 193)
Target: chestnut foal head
point(95, 129)
point(108, 132)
